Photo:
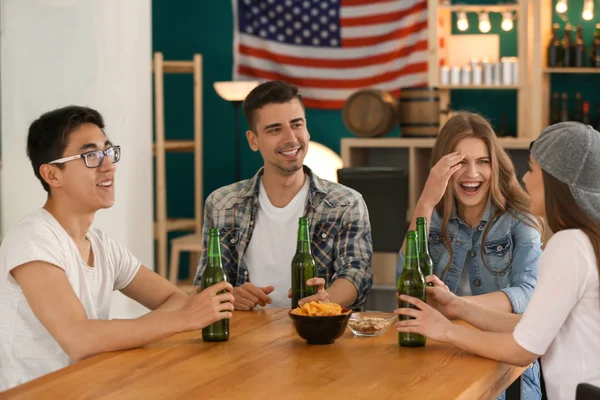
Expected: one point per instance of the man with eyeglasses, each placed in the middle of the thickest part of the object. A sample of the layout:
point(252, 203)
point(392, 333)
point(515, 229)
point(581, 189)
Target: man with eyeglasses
point(57, 274)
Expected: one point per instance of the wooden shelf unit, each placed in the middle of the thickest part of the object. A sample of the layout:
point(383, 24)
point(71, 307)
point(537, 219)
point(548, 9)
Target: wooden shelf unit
point(437, 12)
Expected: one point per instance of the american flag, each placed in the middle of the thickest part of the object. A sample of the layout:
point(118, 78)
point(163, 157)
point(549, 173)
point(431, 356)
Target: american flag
point(332, 48)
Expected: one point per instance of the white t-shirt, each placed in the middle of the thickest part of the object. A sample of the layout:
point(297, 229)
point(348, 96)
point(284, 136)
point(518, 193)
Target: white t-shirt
point(562, 320)
point(27, 350)
point(273, 244)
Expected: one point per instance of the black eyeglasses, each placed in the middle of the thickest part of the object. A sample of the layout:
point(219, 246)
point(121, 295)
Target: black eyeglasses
point(94, 159)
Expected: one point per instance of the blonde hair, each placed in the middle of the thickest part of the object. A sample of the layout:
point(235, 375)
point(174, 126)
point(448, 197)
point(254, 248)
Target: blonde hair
point(505, 193)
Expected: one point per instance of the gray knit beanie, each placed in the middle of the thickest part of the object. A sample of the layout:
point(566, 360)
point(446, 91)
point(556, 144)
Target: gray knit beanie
point(570, 152)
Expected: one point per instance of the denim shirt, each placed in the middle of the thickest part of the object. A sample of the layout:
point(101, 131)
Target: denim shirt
point(340, 231)
point(511, 251)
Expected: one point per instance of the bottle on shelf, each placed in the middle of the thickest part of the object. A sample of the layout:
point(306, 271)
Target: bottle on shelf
point(567, 45)
point(595, 49)
point(556, 53)
point(555, 109)
point(579, 49)
point(586, 113)
point(564, 109)
point(578, 116)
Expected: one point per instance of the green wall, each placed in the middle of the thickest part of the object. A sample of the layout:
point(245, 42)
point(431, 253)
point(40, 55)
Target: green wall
point(183, 27)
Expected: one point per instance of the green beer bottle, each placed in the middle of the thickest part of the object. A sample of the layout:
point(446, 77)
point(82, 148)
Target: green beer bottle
point(213, 274)
point(303, 265)
point(411, 283)
point(425, 261)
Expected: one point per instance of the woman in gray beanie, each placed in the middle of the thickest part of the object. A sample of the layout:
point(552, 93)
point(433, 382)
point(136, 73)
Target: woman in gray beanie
point(562, 321)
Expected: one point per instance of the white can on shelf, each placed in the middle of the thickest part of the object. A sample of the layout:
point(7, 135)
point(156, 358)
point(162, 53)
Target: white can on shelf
point(455, 75)
point(444, 75)
point(498, 73)
point(507, 70)
point(477, 75)
point(488, 73)
point(465, 75)
point(515, 68)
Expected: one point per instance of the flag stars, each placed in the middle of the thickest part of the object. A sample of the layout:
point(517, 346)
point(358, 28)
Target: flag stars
point(296, 22)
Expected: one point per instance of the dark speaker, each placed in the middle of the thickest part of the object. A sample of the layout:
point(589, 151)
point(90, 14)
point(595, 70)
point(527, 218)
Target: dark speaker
point(385, 191)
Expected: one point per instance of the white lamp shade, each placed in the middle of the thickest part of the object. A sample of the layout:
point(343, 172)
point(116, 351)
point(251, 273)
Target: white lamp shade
point(234, 90)
point(323, 161)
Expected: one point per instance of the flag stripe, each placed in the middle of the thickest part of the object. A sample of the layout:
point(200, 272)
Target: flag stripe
point(358, 3)
point(322, 53)
point(335, 84)
point(383, 28)
point(373, 40)
point(382, 18)
point(349, 72)
point(348, 63)
point(340, 95)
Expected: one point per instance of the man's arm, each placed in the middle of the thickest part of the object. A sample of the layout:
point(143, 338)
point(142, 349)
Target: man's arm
point(154, 292)
point(354, 250)
point(56, 305)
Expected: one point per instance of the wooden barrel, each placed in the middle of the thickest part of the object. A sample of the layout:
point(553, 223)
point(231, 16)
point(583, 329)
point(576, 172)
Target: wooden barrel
point(370, 112)
point(419, 111)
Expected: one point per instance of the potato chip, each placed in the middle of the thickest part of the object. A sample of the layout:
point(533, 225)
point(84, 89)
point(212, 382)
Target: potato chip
point(318, 309)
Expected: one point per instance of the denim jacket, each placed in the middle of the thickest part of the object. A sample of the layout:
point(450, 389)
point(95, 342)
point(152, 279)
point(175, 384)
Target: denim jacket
point(340, 230)
point(507, 262)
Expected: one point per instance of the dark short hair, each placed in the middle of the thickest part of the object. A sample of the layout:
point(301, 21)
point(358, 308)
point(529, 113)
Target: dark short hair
point(49, 135)
point(277, 92)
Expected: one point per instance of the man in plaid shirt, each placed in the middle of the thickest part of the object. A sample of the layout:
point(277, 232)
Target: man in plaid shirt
point(258, 218)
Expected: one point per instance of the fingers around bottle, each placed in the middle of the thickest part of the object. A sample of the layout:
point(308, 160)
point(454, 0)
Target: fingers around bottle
point(224, 297)
point(227, 306)
point(316, 282)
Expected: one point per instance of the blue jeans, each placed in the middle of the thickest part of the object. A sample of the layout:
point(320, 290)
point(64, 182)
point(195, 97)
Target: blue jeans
point(531, 389)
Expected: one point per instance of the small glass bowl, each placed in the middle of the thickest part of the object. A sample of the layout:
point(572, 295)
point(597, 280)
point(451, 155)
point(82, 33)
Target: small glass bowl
point(371, 323)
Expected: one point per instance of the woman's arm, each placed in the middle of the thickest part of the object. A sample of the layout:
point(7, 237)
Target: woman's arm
point(429, 322)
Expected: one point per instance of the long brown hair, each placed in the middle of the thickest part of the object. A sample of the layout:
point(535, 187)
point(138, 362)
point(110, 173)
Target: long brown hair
point(566, 213)
point(505, 192)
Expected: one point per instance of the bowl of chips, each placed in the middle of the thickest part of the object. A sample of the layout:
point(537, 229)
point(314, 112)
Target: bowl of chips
point(320, 323)
point(371, 323)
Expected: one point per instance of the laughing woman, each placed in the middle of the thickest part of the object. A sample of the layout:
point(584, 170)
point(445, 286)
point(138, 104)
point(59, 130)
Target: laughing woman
point(562, 322)
point(484, 243)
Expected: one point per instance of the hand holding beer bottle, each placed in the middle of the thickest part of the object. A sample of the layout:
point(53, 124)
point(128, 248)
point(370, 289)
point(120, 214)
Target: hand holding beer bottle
point(214, 274)
point(411, 283)
point(304, 267)
point(208, 306)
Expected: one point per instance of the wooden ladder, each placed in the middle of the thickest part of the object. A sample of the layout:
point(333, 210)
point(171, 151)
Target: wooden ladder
point(163, 224)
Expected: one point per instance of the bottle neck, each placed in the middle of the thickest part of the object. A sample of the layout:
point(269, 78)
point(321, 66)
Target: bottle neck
point(423, 243)
point(214, 251)
point(411, 256)
point(303, 245)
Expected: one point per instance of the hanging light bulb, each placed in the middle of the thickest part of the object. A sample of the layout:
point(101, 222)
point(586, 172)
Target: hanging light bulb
point(484, 22)
point(588, 10)
point(462, 23)
point(561, 6)
point(507, 21)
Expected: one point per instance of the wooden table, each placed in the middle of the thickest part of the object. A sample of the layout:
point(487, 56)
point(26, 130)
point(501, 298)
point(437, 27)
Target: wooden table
point(265, 359)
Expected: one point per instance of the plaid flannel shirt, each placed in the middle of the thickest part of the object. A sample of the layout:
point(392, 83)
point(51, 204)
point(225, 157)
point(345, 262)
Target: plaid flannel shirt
point(340, 230)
